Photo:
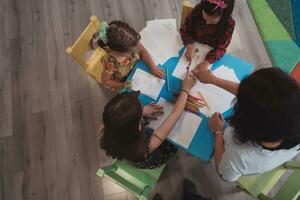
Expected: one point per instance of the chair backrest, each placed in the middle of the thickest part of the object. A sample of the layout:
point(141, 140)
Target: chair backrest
point(90, 60)
point(187, 7)
point(137, 181)
point(259, 186)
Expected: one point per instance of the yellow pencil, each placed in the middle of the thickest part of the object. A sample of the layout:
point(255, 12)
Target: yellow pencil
point(204, 100)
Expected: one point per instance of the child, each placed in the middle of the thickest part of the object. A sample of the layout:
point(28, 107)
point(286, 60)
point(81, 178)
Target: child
point(265, 125)
point(124, 50)
point(124, 135)
point(209, 23)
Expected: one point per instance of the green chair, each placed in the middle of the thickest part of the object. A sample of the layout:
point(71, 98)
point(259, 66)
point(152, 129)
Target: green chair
point(137, 181)
point(260, 186)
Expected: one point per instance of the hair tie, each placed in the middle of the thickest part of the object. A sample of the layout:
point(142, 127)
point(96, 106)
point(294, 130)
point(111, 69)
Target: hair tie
point(219, 4)
point(102, 32)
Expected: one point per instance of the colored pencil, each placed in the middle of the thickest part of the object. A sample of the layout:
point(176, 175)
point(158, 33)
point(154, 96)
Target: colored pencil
point(167, 78)
point(196, 98)
point(203, 100)
point(192, 111)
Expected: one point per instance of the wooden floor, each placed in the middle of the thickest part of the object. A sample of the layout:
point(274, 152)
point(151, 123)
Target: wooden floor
point(50, 109)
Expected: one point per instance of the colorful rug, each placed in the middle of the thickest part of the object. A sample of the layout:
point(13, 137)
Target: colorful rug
point(279, 26)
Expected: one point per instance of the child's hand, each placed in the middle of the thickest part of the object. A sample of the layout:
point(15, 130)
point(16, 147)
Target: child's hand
point(216, 122)
point(204, 65)
point(204, 76)
point(151, 110)
point(158, 72)
point(189, 81)
point(189, 52)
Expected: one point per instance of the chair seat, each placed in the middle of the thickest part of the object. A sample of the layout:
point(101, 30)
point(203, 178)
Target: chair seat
point(137, 181)
point(263, 183)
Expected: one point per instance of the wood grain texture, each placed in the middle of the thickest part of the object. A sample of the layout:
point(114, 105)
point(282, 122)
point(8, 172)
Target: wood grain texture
point(50, 109)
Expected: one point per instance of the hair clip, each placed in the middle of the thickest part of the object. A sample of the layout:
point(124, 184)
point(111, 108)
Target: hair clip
point(102, 32)
point(219, 4)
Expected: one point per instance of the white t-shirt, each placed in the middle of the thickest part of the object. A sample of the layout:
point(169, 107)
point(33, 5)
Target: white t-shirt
point(249, 159)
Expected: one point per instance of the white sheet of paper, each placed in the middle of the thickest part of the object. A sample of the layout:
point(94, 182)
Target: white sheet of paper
point(169, 24)
point(198, 58)
point(185, 128)
point(148, 84)
point(161, 39)
point(218, 99)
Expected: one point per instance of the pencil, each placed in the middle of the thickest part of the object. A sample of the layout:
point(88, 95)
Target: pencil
point(167, 78)
point(203, 100)
point(192, 111)
point(196, 98)
point(196, 104)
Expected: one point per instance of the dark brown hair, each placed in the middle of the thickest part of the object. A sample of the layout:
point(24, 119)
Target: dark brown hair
point(122, 138)
point(268, 109)
point(211, 10)
point(120, 37)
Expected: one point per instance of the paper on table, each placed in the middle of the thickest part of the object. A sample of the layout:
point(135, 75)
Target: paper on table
point(198, 58)
point(161, 39)
point(169, 24)
point(185, 128)
point(218, 99)
point(148, 84)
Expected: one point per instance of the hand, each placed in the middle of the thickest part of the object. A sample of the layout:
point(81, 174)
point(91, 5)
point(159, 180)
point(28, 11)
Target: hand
point(189, 81)
point(158, 72)
point(189, 52)
point(151, 110)
point(204, 76)
point(216, 122)
point(204, 65)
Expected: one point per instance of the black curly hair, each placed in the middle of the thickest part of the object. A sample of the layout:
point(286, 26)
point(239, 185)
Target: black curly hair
point(267, 109)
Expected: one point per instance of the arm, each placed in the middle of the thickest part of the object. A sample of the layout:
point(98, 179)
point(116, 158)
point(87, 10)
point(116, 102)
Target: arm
point(164, 129)
point(230, 86)
point(206, 76)
point(219, 150)
point(149, 61)
point(216, 125)
point(109, 82)
point(222, 44)
point(186, 30)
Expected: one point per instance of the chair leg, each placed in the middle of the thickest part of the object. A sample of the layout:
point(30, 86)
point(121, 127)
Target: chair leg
point(145, 193)
point(101, 171)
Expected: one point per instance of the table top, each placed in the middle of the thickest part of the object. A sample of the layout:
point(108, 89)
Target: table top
point(202, 145)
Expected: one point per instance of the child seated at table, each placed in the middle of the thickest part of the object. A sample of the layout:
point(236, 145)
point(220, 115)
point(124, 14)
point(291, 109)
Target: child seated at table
point(209, 23)
point(124, 49)
point(125, 136)
point(264, 128)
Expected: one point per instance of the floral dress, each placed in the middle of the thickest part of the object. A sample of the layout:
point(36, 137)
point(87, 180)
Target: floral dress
point(119, 71)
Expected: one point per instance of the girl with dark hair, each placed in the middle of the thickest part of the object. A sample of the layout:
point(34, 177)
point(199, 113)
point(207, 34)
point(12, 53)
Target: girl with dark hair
point(124, 135)
point(124, 49)
point(209, 23)
point(264, 129)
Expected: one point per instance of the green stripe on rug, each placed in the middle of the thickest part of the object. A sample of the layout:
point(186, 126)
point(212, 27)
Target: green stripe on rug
point(284, 12)
point(268, 24)
point(285, 54)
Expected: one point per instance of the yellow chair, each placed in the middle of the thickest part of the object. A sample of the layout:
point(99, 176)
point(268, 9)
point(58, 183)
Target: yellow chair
point(80, 51)
point(187, 7)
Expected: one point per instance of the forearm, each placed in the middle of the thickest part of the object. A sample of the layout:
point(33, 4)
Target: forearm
point(230, 86)
point(164, 129)
point(171, 120)
point(114, 84)
point(219, 149)
point(146, 57)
